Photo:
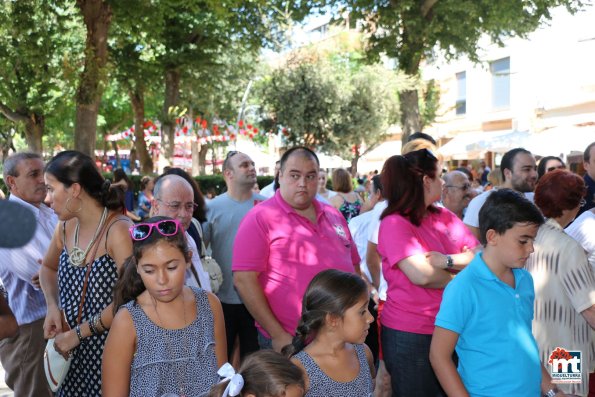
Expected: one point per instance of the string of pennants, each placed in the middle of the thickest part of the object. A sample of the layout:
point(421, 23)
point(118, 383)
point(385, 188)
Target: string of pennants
point(187, 130)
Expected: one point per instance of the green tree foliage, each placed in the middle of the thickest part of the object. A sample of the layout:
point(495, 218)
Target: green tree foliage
point(304, 101)
point(410, 30)
point(35, 43)
point(369, 107)
point(327, 98)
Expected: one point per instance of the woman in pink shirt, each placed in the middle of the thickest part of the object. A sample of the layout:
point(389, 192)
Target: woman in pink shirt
point(422, 246)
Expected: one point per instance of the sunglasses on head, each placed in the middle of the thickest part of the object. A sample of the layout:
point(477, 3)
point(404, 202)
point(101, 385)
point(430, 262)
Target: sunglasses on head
point(231, 153)
point(165, 227)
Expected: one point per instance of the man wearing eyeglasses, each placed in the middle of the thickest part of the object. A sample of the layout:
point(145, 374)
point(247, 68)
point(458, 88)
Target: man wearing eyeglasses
point(225, 212)
point(456, 192)
point(283, 243)
point(173, 197)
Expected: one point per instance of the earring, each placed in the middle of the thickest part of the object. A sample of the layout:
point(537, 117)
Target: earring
point(78, 209)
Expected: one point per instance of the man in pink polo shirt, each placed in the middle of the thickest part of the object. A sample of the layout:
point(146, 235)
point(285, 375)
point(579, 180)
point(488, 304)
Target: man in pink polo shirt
point(283, 243)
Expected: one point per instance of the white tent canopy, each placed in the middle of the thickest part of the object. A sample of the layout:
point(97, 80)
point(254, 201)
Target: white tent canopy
point(561, 141)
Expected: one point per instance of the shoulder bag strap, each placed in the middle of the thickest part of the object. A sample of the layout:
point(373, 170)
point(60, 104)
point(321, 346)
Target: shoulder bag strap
point(89, 265)
point(203, 249)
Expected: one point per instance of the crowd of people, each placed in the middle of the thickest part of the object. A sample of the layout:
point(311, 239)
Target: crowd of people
point(414, 284)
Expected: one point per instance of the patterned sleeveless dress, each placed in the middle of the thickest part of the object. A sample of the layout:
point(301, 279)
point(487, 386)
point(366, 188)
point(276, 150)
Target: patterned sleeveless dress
point(350, 210)
point(167, 359)
point(321, 385)
point(84, 375)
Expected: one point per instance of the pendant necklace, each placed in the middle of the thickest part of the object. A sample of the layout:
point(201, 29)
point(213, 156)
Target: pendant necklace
point(77, 256)
point(169, 351)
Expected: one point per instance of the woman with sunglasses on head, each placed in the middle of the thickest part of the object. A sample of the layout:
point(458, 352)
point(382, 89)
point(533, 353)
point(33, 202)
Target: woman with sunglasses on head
point(421, 246)
point(167, 339)
point(81, 266)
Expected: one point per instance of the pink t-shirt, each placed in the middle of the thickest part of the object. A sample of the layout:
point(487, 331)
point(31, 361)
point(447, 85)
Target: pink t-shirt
point(288, 251)
point(408, 307)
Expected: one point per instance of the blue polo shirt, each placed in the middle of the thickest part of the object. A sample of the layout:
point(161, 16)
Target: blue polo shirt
point(497, 353)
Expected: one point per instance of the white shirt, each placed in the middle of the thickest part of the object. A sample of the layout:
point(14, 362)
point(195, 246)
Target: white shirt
point(373, 230)
point(205, 282)
point(268, 191)
point(583, 231)
point(19, 265)
point(471, 217)
point(358, 226)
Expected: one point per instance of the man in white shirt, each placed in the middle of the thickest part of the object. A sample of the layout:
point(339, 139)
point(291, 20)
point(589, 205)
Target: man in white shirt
point(173, 197)
point(269, 190)
point(22, 356)
point(519, 172)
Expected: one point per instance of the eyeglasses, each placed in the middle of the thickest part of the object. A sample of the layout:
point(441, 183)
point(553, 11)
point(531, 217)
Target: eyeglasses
point(166, 227)
point(559, 167)
point(465, 187)
point(582, 203)
point(176, 206)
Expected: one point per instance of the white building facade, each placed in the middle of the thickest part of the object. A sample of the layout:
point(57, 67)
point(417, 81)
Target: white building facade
point(537, 93)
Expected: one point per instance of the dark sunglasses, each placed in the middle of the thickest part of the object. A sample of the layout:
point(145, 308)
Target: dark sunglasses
point(166, 227)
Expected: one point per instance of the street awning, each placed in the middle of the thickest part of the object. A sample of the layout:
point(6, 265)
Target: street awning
point(560, 141)
point(473, 145)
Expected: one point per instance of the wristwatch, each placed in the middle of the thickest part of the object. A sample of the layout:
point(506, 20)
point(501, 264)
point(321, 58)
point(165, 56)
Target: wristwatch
point(551, 392)
point(449, 262)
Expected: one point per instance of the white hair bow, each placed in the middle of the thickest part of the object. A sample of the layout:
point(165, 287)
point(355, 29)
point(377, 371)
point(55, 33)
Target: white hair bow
point(236, 381)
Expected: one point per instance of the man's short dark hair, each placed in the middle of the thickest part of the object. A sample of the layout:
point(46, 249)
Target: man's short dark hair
point(503, 209)
point(302, 151)
point(508, 160)
point(587, 154)
point(421, 135)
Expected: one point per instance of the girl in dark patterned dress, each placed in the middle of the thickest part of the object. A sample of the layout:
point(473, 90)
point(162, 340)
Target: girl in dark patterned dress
point(329, 342)
point(81, 265)
point(167, 339)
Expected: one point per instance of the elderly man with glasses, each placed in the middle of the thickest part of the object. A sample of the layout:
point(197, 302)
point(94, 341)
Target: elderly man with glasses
point(173, 197)
point(456, 192)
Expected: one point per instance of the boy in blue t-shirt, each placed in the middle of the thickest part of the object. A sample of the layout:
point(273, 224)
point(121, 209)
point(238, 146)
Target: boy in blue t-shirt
point(486, 311)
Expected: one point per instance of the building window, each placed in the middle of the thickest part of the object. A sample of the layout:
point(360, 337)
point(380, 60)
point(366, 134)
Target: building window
point(500, 70)
point(461, 105)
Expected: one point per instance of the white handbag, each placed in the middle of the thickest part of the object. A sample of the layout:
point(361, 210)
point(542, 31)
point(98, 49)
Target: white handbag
point(209, 264)
point(56, 367)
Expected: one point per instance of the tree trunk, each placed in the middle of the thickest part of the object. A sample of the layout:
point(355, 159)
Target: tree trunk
point(195, 150)
point(410, 118)
point(137, 99)
point(34, 125)
point(117, 154)
point(97, 16)
point(34, 132)
point(172, 96)
point(202, 159)
point(6, 143)
point(354, 161)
